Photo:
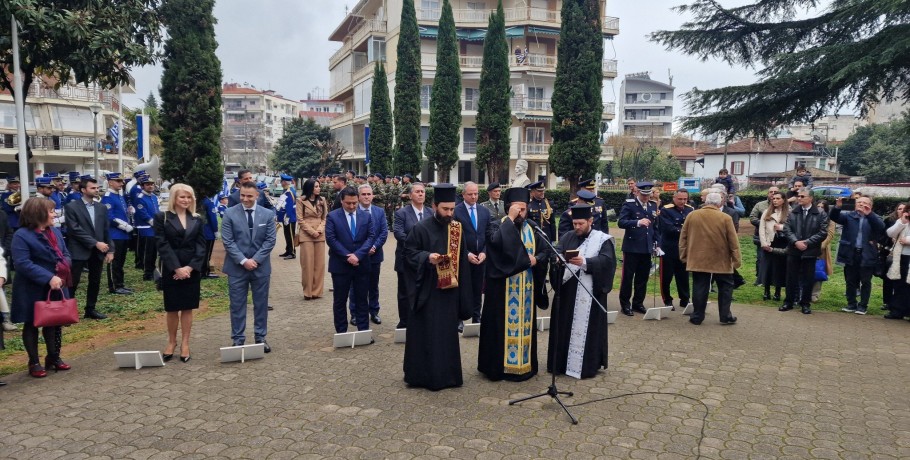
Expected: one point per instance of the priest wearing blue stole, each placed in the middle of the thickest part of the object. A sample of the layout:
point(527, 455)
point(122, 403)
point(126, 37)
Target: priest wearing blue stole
point(508, 337)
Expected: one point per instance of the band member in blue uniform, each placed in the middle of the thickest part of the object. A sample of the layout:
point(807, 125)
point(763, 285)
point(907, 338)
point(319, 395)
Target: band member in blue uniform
point(146, 204)
point(210, 233)
point(541, 212)
point(12, 210)
point(120, 230)
point(669, 224)
point(133, 196)
point(638, 217)
point(71, 192)
point(287, 215)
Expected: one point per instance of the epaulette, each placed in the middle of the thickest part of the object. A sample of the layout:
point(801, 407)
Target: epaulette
point(690, 206)
point(630, 200)
point(669, 206)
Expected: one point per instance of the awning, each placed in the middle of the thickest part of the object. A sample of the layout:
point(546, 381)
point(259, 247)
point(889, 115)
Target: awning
point(542, 31)
point(473, 34)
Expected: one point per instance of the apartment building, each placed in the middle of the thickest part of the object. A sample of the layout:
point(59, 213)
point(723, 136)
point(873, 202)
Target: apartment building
point(646, 107)
point(370, 32)
point(253, 122)
point(60, 127)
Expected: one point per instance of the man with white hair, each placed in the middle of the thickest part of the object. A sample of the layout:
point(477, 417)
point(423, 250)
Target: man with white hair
point(709, 247)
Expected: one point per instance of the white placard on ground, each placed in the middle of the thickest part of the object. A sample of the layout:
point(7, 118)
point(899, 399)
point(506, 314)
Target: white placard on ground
point(352, 339)
point(242, 353)
point(543, 323)
point(471, 330)
point(689, 309)
point(401, 335)
point(139, 359)
point(657, 313)
point(611, 316)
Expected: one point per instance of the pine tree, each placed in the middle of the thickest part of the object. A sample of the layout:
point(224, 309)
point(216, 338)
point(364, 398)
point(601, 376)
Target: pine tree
point(191, 97)
point(380, 123)
point(852, 53)
point(407, 94)
point(298, 152)
point(494, 113)
point(445, 104)
point(577, 102)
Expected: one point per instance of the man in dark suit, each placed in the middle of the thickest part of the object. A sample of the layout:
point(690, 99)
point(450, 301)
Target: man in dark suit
point(805, 230)
point(474, 220)
point(405, 219)
point(349, 235)
point(249, 234)
point(376, 256)
point(89, 242)
point(246, 176)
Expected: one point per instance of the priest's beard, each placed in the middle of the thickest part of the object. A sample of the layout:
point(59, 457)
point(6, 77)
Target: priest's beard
point(444, 220)
point(519, 221)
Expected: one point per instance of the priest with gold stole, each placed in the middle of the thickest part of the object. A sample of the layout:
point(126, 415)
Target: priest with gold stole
point(435, 250)
point(508, 337)
point(578, 322)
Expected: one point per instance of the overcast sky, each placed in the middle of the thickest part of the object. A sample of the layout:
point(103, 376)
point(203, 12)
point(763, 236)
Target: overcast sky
point(283, 45)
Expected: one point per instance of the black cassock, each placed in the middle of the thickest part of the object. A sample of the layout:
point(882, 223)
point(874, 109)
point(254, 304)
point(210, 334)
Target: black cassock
point(506, 256)
point(602, 268)
point(432, 357)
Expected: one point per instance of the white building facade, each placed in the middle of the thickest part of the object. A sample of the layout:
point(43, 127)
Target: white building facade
point(645, 107)
point(254, 120)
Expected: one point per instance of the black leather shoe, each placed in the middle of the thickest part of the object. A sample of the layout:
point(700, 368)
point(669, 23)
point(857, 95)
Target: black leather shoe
point(639, 309)
point(289, 257)
point(893, 316)
point(776, 297)
point(353, 321)
point(726, 321)
point(266, 347)
point(2, 384)
point(283, 254)
point(121, 291)
point(695, 321)
point(460, 326)
point(94, 314)
point(374, 317)
point(211, 276)
point(766, 297)
point(807, 310)
point(271, 308)
point(785, 307)
point(627, 312)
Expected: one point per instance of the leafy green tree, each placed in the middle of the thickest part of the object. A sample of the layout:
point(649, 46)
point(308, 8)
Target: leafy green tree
point(191, 97)
point(887, 163)
point(445, 104)
point(407, 94)
point(577, 101)
point(648, 163)
point(380, 123)
point(851, 152)
point(854, 52)
point(880, 152)
point(494, 113)
point(298, 152)
point(91, 41)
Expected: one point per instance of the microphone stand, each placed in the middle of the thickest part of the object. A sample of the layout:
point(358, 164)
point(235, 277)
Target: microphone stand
point(553, 391)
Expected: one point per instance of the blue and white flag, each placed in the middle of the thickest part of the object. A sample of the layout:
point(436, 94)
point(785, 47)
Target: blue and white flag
point(114, 132)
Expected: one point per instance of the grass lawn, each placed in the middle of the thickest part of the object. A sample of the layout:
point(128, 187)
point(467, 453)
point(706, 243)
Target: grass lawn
point(128, 317)
point(832, 296)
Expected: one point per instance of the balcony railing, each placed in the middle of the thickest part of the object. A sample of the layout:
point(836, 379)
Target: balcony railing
point(469, 16)
point(340, 54)
point(535, 148)
point(544, 62)
point(469, 147)
point(469, 105)
point(610, 25)
point(610, 108)
point(654, 103)
point(367, 28)
point(530, 104)
point(609, 67)
point(79, 93)
point(63, 143)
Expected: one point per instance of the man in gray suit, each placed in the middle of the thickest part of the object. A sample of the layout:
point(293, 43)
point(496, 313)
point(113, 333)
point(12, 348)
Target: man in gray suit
point(248, 233)
point(89, 242)
point(405, 219)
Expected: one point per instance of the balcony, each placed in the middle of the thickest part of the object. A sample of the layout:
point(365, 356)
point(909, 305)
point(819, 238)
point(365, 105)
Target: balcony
point(342, 119)
point(362, 72)
point(58, 143)
point(367, 28)
point(340, 54)
point(610, 25)
point(609, 68)
point(541, 62)
point(646, 104)
point(535, 150)
point(469, 17)
point(530, 104)
point(469, 148)
point(78, 93)
point(651, 119)
point(609, 110)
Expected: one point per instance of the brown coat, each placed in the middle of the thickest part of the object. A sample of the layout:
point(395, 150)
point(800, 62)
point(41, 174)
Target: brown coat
point(826, 248)
point(708, 242)
point(311, 220)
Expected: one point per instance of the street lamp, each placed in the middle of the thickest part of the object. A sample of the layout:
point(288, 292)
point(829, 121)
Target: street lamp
point(96, 109)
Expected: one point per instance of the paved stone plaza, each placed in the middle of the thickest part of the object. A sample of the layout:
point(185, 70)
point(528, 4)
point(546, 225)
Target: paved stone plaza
point(778, 385)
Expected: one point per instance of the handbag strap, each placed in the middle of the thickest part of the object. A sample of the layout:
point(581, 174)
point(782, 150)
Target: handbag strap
point(62, 294)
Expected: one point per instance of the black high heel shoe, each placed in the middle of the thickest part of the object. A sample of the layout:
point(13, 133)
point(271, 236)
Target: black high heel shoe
point(185, 359)
point(167, 358)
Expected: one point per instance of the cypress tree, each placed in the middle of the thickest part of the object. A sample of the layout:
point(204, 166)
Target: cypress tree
point(577, 101)
point(407, 94)
point(445, 105)
point(494, 114)
point(191, 97)
point(380, 123)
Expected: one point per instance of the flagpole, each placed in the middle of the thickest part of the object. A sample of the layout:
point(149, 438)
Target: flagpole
point(20, 111)
point(120, 129)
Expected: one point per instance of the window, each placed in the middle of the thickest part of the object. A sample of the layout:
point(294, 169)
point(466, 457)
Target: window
point(736, 167)
point(470, 141)
point(8, 117)
point(477, 6)
point(376, 49)
point(424, 136)
point(534, 135)
point(426, 94)
point(471, 95)
point(800, 163)
point(535, 98)
point(72, 119)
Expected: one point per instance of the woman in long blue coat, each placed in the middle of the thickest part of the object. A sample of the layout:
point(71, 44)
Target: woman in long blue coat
point(37, 248)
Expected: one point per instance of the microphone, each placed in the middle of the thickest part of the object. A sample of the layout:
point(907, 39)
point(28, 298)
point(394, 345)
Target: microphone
point(537, 227)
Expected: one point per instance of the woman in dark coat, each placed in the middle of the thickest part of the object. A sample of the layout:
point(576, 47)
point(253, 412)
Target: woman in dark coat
point(42, 263)
point(181, 247)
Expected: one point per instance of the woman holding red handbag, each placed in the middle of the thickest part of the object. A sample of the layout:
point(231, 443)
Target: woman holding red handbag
point(42, 264)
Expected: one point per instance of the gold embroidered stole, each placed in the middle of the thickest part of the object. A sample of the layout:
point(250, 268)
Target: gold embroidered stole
point(447, 269)
point(519, 314)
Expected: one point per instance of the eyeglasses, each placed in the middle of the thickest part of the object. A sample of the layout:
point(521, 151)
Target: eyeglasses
point(803, 196)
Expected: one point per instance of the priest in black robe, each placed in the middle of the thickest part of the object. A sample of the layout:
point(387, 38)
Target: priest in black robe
point(578, 329)
point(436, 252)
point(508, 337)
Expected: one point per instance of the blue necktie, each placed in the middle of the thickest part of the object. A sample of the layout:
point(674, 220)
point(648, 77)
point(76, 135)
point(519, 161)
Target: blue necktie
point(353, 225)
point(249, 221)
point(473, 218)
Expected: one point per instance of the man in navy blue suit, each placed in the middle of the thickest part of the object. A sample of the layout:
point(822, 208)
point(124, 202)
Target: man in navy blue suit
point(474, 219)
point(349, 235)
point(381, 233)
point(405, 219)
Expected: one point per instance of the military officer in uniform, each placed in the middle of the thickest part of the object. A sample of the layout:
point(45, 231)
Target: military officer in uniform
point(585, 196)
point(120, 229)
point(599, 206)
point(494, 204)
point(541, 212)
point(669, 224)
point(146, 204)
point(638, 217)
point(12, 210)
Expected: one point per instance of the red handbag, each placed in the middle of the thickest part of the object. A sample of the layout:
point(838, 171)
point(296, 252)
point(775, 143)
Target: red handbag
point(61, 312)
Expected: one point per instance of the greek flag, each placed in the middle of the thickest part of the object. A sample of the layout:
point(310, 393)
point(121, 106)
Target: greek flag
point(114, 132)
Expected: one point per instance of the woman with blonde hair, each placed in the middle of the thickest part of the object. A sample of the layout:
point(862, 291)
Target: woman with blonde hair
point(774, 244)
point(312, 210)
point(181, 248)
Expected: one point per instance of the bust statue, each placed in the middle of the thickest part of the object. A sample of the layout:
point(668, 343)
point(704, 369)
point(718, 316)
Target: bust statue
point(521, 176)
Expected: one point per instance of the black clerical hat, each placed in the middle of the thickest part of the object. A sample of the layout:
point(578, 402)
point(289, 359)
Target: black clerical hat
point(444, 193)
point(517, 194)
point(581, 211)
